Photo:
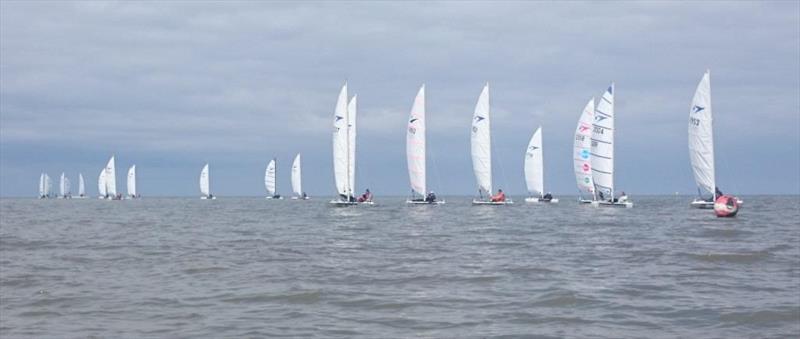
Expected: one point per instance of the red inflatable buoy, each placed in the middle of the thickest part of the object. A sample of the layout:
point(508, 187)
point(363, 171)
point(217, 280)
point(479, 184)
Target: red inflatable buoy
point(726, 206)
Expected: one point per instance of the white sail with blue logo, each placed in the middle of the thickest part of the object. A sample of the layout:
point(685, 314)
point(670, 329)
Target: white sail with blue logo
point(269, 180)
point(582, 153)
point(481, 144)
point(341, 148)
point(132, 182)
point(81, 186)
point(534, 165)
point(64, 186)
point(352, 109)
point(415, 145)
point(205, 184)
point(701, 136)
point(603, 144)
point(42, 194)
point(297, 176)
point(110, 177)
point(101, 185)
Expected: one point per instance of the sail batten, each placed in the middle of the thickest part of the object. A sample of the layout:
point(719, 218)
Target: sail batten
point(416, 144)
point(701, 136)
point(534, 164)
point(481, 143)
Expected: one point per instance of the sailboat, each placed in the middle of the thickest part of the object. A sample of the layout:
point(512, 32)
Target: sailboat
point(582, 153)
point(64, 187)
point(132, 183)
point(81, 187)
point(44, 191)
point(297, 185)
point(534, 170)
point(416, 153)
point(481, 146)
point(110, 179)
point(603, 153)
point(101, 185)
point(48, 185)
point(701, 144)
point(344, 150)
point(205, 190)
point(269, 181)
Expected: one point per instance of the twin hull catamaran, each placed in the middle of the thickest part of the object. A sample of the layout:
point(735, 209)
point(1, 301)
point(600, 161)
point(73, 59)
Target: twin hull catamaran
point(107, 182)
point(416, 153)
point(344, 150)
point(45, 186)
point(205, 191)
point(481, 150)
point(534, 170)
point(297, 176)
point(132, 194)
point(269, 181)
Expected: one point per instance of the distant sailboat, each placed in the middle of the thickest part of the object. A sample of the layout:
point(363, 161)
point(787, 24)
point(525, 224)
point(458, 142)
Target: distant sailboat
point(269, 181)
point(64, 187)
point(582, 153)
point(481, 147)
point(101, 185)
point(132, 183)
point(81, 187)
point(44, 192)
point(534, 170)
point(205, 190)
point(110, 179)
point(701, 144)
point(344, 157)
point(416, 148)
point(297, 176)
point(603, 153)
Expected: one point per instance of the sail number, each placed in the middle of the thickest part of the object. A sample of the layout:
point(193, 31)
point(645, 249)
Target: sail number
point(694, 121)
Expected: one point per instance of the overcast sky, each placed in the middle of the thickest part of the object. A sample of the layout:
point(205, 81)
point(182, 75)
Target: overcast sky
point(172, 85)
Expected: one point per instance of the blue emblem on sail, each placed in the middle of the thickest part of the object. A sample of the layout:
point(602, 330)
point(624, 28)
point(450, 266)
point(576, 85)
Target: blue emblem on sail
point(609, 90)
point(339, 118)
point(696, 109)
point(479, 119)
point(600, 117)
point(412, 120)
point(584, 154)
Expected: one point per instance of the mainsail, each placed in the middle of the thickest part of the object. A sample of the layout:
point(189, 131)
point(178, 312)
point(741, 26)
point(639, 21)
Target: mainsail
point(415, 144)
point(481, 143)
point(204, 182)
point(351, 155)
point(341, 148)
point(269, 177)
point(603, 144)
point(582, 156)
point(111, 177)
point(101, 184)
point(41, 185)
point(534, 165)
point(81, 185)
point(701, 136)
point(63, 185)
point(132, 181)
point(297, 186)
point(48, 185)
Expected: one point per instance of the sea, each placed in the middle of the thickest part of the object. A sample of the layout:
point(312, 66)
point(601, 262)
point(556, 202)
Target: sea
point(248, 267)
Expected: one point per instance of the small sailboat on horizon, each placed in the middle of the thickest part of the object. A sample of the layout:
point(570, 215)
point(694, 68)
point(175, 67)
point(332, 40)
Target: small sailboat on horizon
point(269, 180)
point(416, 149)
point(45, 186)
point(534, 170)
point(205, 188)
point(64, 187)
point(297, 183)
point(344, 152)
point(81, 187)
point(132, 194)
point(603, 153)
point(481, 151)
point(108, 181)
point(582, 154)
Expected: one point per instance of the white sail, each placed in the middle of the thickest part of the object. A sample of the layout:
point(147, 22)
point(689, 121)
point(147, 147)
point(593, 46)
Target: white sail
point(101, 183)
point(582, 154)
point(534, 165)
point(481, 143)
point(67, 187)
point(63, 186)
point(48, 185)
point(297, 186)
point(415, 144)
point(132, 181)
point(269, 178)
point(204, 181)
point(81, 185)
point(351, 157)
point(603, 144)
point(111, 177)
point(701, 136)
point(341, 148)
point(41, 185)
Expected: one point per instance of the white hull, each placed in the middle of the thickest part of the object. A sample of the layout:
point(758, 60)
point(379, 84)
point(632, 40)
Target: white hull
point(272, 198)
point(626, 204)
point(207, 198)
point(339, 203)
point(708, 205)
point(416, 202)
point(540, 200)
point(484, 202)
point(584, 201)
point(299, 198)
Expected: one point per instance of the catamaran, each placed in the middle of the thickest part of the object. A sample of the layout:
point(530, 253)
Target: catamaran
point(204, 185)
point(534, 170)
point(132, 183)
point(44, 186)
point(110, 180)
point(297, 185)
point(64, 187)
point(481, 147)
point(416, 153)
point(701, 144)
point(582, 154)
point(269, 181)
point(81, 187)
point(344, 151)
point(603, 153)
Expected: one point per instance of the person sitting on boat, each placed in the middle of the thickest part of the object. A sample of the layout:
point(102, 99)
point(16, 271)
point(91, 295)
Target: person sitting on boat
point(305, 196)
point(431, 198)
point(276, 196)
point(367, 196)
point(210, 196)
point(623, 197)
point(547, 197)
point(499, 197)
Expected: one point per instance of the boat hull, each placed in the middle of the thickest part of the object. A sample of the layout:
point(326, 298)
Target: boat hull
point(540, 200)
point(417, 202)
point(626, 204)
point(493, 203)
point(339, 203)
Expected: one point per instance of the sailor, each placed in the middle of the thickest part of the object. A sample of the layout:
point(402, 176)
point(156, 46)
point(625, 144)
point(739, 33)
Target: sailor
point(367, 196)
point(499, 197)
point(717, 192)
point(547, 197)
point(305, 196)
point(623, 197)
point(431, 197)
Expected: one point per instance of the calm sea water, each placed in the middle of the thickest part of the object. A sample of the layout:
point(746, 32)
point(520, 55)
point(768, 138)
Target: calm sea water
point(247, 267)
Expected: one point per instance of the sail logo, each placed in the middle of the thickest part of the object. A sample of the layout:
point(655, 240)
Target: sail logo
point(479, 119)
point(610, 90)
point(533, 148)
point(584, 154)
point(339, 118)
point(412, 130)
point(694, 122)
point(586, 167)
point(599, 118)
point(697, 109)
point(583, 128)
point(586, 180)
point(412, 120)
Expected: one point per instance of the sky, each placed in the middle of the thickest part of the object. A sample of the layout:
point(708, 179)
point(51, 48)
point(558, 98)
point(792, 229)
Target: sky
point(169, 86)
